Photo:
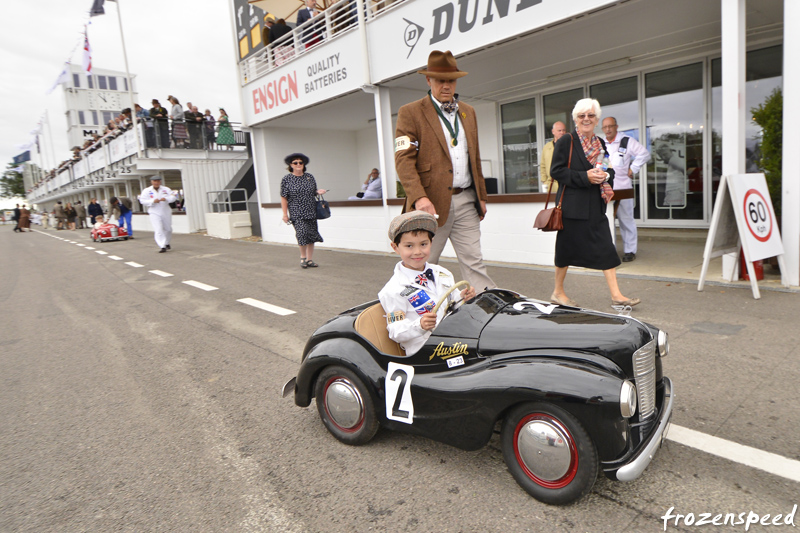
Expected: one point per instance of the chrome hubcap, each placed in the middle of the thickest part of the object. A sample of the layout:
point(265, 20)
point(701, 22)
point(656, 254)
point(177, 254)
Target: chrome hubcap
point(543, 447)
point(344, 404)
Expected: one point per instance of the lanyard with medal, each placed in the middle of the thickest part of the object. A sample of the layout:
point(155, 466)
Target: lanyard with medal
point(453, 133)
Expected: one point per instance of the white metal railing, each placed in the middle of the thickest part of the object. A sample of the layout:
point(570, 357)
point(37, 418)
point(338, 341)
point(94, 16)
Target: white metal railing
point(337, 19)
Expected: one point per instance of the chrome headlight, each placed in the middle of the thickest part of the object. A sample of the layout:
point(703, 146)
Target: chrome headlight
point(663, 343)
point(627, 399)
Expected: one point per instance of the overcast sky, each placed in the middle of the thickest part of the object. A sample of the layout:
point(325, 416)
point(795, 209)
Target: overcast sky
point(174, 47)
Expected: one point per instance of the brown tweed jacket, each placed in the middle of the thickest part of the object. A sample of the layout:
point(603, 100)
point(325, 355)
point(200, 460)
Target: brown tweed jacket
point(425, 170)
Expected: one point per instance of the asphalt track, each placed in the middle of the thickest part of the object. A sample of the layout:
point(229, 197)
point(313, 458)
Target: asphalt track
point(140, 392)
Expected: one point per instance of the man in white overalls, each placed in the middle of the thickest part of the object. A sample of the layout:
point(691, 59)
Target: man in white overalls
point(156, 199)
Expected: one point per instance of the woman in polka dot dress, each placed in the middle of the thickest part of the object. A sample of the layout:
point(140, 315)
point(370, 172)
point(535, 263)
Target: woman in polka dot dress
point(298, 192)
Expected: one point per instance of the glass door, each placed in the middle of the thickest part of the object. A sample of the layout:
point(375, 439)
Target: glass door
point(674, 136)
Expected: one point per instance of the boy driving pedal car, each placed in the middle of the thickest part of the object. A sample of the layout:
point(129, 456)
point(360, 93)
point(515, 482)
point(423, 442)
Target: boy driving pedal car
point(416, 286)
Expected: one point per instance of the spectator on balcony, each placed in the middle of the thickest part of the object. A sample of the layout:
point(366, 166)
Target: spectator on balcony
point(80, 210)
point(225, 134)
point(149, 131)
point(311, 32)
point(95, 210)
point(161, 117)
point(208, 128)
point(283, 51)
point(179, 134)
point(194, 125)
point(269, 22)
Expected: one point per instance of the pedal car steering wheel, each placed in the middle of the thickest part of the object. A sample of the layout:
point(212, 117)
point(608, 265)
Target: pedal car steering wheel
point(444, 297)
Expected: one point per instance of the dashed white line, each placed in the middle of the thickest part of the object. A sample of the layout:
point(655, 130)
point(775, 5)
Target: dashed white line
point(162, 274)
point(81, 244)
point(72, 242)
point(101, 252)
point(89, 248)
point(199, 285)
point(266, 307)
point(115, 257)
point(134, 265)
point(738, 453)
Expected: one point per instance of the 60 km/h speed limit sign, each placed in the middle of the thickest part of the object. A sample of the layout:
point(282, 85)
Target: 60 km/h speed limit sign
point(753, 211)
point(758, 215)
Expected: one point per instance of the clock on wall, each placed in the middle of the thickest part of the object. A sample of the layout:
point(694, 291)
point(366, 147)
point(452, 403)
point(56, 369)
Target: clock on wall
point(105, 101)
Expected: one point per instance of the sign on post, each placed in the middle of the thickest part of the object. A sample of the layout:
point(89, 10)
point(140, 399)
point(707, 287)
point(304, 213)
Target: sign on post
point(745, 199)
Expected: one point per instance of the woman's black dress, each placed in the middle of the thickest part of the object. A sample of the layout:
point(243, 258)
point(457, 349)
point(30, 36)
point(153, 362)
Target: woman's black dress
point(300, 193)
point(585, 240)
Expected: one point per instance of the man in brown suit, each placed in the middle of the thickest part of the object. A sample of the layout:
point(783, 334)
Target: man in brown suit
point(438, 162)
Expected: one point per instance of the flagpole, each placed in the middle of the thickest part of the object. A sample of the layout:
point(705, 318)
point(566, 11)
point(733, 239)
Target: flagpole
point(50, 134)
point(130, 83)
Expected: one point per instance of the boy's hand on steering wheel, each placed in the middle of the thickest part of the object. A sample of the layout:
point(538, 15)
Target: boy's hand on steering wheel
point(468, 293)
point(427, 321)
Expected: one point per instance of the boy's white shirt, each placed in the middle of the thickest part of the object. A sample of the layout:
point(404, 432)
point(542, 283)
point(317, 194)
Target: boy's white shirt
point(405, 329)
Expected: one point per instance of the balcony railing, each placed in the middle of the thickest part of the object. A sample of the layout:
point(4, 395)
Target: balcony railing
point(328, 25)
point(111, 157)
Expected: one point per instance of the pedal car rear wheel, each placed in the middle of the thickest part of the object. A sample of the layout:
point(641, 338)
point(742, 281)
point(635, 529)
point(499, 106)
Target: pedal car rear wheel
point(549, 453)
point(345, 406)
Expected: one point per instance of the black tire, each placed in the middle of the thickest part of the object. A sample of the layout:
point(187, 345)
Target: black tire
point(354, 421)
point(536, 431)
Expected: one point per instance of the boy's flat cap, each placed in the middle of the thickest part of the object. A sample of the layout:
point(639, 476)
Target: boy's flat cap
point(413, 220)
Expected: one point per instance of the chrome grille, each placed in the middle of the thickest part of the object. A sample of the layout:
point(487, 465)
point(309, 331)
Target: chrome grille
point(644, 372)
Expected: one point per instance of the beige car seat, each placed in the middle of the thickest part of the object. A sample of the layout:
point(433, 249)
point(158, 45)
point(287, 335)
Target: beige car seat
point(371, 324)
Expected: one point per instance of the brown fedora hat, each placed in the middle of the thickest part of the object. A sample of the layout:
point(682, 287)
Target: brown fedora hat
point(442, 66)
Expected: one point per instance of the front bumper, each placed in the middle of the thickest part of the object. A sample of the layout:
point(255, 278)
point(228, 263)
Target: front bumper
point(634, 468)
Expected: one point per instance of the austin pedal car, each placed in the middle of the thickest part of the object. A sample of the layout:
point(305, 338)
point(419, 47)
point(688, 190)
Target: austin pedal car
point(109, 232)
point(573, 390)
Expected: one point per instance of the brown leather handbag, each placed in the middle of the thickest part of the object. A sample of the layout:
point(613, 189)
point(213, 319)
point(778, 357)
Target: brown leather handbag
point(550, 219)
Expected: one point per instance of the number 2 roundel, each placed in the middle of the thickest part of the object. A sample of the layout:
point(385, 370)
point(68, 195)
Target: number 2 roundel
point(399, 404)
point(757, 215)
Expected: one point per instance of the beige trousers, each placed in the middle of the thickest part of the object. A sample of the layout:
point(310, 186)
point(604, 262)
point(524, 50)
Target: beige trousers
point(463, 228)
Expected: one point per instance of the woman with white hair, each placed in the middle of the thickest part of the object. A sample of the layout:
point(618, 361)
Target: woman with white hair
point(586, 187)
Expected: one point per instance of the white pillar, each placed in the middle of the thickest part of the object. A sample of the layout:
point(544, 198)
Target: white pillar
point(790, 202)
point(733, 86)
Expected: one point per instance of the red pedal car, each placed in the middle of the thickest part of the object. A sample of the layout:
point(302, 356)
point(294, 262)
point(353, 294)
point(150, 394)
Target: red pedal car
point(109, 232)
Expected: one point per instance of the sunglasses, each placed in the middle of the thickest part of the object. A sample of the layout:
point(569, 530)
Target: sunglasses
point(586, 115)
point(297, 162)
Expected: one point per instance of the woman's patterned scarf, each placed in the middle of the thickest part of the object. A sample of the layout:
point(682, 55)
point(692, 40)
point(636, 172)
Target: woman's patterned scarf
point(591, 148)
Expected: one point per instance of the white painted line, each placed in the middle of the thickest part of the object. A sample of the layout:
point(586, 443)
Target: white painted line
point(81, 245)
point(199, 285)
point(115, 257)
point(134, 265)
point(89, 248)
point(101, 252)
point(266, 307)
point(752, 457)
point(160, 273)
point(72, 242)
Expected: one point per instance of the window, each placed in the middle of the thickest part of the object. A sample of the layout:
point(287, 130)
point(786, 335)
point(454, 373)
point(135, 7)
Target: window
point(107, 117)
point(94, 118)
point(764, 74)
point(126, 83)
point(558, 107)
point(112, 83)
point(520, 151)
point(81, 118)
point(90, 82)
point(102, 82)
point(76, 80)
point(674, 136)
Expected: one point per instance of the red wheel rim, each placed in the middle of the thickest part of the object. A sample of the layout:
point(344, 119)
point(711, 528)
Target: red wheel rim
point(553, 422)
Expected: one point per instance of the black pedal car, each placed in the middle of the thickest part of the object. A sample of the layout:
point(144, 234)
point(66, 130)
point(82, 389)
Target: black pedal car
point(576, 390)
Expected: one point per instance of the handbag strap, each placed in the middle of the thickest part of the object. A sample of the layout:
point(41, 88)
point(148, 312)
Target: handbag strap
point(569, 164)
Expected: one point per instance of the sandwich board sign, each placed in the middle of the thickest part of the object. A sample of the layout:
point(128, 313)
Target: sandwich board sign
point(744, 198)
